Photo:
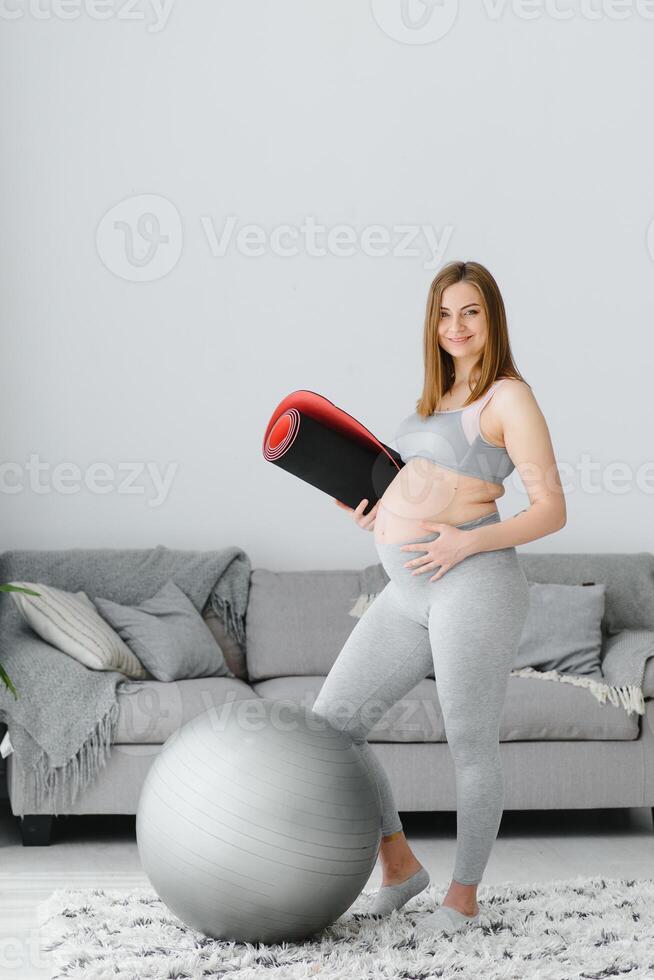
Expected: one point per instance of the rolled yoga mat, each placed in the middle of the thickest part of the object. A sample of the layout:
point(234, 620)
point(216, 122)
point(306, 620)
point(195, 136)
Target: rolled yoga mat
point(317, 441)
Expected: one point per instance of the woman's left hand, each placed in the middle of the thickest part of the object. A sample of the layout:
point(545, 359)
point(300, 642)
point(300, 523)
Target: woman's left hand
point(450, 547)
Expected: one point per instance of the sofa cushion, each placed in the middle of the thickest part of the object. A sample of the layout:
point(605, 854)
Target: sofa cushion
point(70, 622)
point(414, 718)
point(167, 634)
point(629, 579)
point(563, 629)
point(150, 711)
point(533, 710)
point(297, 622)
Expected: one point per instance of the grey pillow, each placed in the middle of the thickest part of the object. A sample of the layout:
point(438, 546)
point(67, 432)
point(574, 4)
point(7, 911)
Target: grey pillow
point(563, 628)
point(167, 634)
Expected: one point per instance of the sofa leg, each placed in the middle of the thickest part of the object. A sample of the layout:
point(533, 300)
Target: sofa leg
point(35, 829)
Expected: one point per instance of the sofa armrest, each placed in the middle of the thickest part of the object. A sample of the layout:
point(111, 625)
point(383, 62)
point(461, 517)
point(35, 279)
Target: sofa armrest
point(648, 679)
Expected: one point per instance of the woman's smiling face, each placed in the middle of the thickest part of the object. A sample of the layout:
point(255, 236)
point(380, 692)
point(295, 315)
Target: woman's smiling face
point(462, 316)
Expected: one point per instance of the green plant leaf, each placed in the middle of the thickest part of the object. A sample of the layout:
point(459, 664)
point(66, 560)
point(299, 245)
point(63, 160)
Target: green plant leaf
point(7, 681)
point(17, 588)
point(4, 676)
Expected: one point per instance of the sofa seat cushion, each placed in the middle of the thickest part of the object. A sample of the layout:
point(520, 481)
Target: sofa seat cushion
point(150, 711)
point(534, 710)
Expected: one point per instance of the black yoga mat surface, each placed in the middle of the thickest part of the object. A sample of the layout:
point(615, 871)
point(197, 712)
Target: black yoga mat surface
point(315, 440)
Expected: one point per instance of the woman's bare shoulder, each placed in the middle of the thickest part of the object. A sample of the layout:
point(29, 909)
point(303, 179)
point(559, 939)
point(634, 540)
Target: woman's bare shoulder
point(513, 397)
point(515, 388)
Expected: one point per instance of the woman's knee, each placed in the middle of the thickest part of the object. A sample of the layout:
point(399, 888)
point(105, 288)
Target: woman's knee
point(472, 744)
point(342, 715)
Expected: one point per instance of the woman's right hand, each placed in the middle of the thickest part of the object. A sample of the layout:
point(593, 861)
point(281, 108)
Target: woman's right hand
point(367, 521)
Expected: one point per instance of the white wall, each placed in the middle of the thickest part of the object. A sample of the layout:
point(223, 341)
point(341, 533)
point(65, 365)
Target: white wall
point(525, 144)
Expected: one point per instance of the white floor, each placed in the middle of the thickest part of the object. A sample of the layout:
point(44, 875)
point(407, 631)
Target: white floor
point(91, 852)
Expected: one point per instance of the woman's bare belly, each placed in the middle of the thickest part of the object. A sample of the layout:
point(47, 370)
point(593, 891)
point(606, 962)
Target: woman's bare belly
point(425, 491)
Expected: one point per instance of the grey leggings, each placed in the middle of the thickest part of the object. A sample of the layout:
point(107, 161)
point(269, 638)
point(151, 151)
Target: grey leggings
point(466, 624)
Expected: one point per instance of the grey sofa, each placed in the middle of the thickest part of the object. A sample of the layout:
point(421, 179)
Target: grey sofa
point(560, 747)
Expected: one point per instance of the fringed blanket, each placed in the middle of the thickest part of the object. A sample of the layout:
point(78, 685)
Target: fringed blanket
point(61, 727)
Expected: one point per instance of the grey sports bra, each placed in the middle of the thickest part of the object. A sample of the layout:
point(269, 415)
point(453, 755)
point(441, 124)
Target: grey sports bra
point(453, 439)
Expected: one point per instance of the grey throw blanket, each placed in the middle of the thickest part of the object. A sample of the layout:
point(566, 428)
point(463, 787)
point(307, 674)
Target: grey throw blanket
point(62, 725)
point(624, 659)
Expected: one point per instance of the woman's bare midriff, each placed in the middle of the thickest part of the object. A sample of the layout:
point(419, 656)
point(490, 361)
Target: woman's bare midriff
point(425, 491)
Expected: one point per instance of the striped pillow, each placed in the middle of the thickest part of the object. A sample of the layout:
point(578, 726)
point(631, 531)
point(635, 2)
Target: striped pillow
point(70, 622)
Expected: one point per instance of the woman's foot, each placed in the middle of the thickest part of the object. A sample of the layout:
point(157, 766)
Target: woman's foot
point(444, 920)
point(462, 898)
point(392, 897)
point(403, 875)
point(464, 908)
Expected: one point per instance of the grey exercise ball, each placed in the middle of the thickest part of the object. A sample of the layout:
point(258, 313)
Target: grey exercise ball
point(258, 822)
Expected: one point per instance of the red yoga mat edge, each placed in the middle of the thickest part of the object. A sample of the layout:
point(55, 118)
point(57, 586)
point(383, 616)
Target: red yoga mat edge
point(323, 410)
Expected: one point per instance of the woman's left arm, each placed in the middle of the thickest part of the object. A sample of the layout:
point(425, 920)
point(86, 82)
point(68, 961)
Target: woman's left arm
point(528, 443)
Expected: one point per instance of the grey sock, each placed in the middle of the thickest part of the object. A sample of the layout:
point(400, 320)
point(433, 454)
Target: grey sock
point(391, 897)
point(446, 920)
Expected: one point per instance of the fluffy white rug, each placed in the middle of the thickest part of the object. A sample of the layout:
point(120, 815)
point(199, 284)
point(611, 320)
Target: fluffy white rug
point(580, 927)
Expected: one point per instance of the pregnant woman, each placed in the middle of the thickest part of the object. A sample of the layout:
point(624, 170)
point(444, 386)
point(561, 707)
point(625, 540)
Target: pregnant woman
point(457, 597)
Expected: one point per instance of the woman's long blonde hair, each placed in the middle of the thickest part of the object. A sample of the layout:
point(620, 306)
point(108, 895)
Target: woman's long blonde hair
point(494, 361)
